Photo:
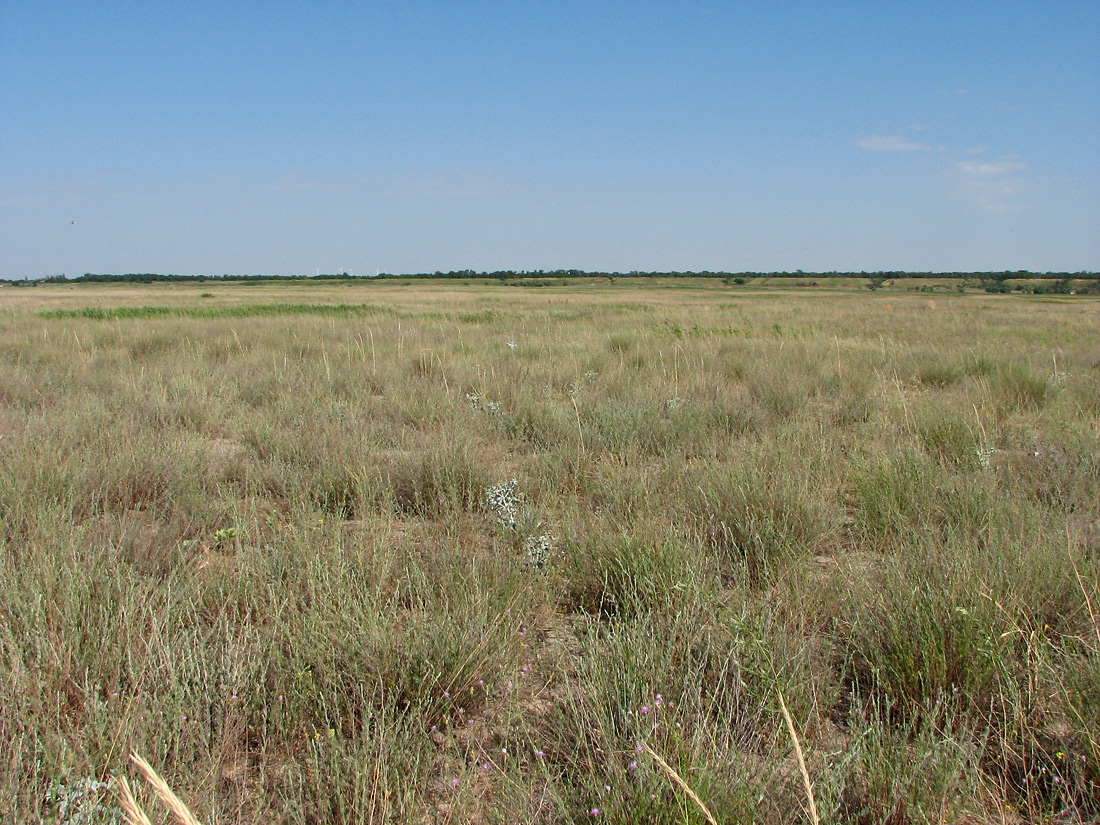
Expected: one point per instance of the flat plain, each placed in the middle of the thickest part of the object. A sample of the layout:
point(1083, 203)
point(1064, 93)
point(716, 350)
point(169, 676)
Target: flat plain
point(643, 551)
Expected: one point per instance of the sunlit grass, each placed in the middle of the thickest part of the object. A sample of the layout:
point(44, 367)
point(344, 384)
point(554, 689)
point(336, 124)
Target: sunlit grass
point(253, 537)
point(209, 312)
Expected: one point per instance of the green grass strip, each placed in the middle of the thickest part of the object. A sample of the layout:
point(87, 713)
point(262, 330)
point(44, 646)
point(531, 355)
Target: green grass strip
point(210, 313)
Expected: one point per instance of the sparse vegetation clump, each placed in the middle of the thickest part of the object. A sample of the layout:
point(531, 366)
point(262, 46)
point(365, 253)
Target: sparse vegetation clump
point(628, 552)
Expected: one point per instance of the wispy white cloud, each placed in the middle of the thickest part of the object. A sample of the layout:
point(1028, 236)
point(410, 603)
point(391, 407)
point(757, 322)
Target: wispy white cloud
point(892, 143)
point(994, 186)
point(988, 170)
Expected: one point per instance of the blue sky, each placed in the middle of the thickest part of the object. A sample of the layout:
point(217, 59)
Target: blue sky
point(279, 138)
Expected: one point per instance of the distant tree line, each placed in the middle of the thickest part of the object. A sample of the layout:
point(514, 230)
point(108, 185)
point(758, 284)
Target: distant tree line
point(511, 274)
point(156, 277)
point(998, 283)
point(991, 281)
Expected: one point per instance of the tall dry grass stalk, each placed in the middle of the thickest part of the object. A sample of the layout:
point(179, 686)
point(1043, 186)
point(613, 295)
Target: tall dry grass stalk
point(1086, 594)
point(134, 813)
point(801, 760)
point(130, 807)
point(679, 780)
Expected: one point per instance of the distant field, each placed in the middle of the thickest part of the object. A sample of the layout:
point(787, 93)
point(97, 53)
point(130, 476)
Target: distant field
point(447, 552)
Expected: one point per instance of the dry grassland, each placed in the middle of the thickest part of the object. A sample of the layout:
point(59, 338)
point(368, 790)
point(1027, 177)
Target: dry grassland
point(634, 552)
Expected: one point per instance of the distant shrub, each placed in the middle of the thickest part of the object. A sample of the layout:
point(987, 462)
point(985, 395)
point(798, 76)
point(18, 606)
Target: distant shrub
point(939, 373)
point(1018, 387)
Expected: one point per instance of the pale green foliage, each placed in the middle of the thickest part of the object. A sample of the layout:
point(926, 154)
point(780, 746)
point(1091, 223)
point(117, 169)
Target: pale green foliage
point(82, 801)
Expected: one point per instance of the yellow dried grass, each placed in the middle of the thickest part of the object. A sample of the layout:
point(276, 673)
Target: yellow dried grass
point(134, 813)
point(679, 780)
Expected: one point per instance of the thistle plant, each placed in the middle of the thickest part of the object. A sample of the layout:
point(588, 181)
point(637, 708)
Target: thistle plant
point(480, 403)
point(510, 508)
point(82, 801)
point(504, 502)
point(536, 550)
